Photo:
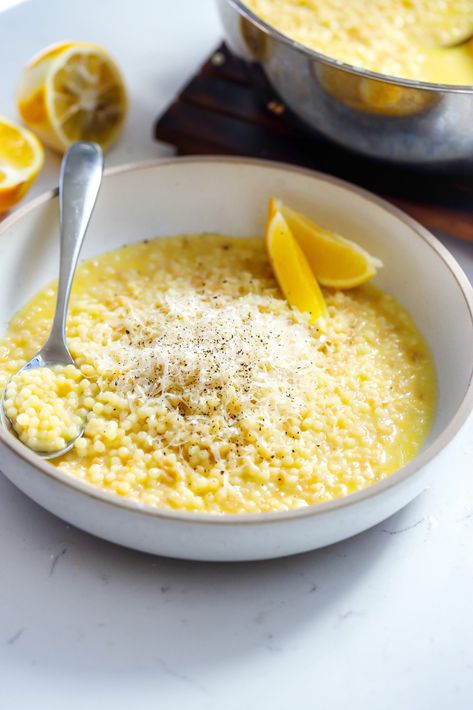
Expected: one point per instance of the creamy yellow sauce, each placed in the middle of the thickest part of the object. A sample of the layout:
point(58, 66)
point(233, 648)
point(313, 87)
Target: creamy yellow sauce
point(413, 39)
point(206, 391)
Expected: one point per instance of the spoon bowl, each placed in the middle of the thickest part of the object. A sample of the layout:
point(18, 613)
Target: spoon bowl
point(38, 361)
point(460, 42)
point(81, 176)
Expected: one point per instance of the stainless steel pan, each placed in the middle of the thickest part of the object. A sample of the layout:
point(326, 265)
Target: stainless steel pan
point(409, 122)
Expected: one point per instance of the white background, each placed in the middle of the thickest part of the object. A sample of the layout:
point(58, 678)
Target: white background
point(381, 621)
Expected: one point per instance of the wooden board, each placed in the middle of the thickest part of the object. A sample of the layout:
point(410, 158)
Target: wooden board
point(224, 111)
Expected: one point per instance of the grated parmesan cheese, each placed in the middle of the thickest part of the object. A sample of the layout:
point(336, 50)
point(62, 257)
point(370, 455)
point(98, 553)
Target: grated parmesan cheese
point(218, 356)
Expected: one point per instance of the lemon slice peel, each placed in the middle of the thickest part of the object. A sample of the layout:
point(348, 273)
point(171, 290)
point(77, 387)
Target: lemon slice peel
point(292, 270)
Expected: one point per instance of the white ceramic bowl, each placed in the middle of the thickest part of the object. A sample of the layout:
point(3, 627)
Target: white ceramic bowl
point(229, 196)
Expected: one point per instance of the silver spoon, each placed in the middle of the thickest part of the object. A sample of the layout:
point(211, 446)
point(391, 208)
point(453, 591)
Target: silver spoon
point(81, 175)
point(459, 42)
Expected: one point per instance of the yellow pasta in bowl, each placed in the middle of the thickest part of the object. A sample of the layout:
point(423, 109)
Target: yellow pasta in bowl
point(208, 392)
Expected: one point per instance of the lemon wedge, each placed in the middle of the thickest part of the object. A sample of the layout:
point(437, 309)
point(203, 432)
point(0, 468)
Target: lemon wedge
point(73, 91)
point(292, 270)
point(336, 262)
point(21, 158)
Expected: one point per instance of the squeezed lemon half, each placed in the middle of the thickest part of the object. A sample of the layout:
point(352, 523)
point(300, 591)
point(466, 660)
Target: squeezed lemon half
point(73, 91)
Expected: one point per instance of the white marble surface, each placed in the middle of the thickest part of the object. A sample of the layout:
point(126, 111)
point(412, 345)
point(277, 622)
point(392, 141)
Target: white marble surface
point(381, 621)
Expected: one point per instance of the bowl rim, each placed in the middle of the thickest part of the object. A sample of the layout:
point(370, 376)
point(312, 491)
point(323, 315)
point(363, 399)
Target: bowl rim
point(320, 509)
point(268, 29)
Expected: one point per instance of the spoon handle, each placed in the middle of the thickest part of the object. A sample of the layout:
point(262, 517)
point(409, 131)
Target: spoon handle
point(81, 175)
